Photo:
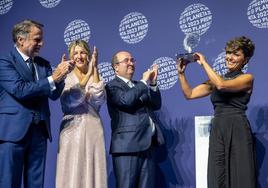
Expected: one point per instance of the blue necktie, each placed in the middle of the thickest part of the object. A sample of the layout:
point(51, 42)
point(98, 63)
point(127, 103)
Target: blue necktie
point(31, 67)
point(36, 113)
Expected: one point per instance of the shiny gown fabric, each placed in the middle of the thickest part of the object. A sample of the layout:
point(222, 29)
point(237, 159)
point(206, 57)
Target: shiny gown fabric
point(81, 158)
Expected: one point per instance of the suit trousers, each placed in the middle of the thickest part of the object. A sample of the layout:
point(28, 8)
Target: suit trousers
point(26, 157)
point(135, 170)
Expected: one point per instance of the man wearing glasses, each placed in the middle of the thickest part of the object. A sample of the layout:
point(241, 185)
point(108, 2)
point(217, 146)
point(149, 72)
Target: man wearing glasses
point(134, 132)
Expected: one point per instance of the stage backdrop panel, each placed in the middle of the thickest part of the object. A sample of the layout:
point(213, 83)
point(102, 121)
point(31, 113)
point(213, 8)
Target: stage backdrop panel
point(154, 31)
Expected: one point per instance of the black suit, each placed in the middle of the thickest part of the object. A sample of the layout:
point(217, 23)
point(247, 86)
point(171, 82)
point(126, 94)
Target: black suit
point(132, 136)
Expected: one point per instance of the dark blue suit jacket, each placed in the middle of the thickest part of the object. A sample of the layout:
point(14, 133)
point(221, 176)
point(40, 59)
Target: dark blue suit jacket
point(129, 109)
point(21, 96)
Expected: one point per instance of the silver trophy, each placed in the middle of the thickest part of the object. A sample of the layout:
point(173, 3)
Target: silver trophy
point(190, 41)
point(187, 57)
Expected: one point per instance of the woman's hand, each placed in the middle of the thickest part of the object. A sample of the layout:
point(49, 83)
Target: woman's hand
point(200, 58)
point(93, 61)
point(181, 66)
point(94, 57)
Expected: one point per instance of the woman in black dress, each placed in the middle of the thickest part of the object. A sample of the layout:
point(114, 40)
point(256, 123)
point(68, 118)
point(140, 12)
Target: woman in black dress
point(231, 162)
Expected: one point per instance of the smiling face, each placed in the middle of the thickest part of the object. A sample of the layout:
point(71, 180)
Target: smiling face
point(80, 53)
point(124, 65)
point(238, 52)
point(80, 57)
point(31, 43)
point(235, 60)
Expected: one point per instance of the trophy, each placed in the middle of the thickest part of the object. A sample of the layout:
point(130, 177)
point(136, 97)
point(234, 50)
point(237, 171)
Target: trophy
point(187, 57)
point(190, 41)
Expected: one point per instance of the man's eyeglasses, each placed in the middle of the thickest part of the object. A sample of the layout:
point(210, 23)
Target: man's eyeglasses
point(128, 61)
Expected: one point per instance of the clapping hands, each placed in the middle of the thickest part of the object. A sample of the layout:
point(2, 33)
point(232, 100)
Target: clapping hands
point(151, 75)
point(93, 62)
point(63, 68)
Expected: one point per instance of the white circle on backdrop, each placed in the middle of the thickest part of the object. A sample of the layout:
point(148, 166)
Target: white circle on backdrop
point(167, 72)
point(49, 3)
point(219, 65)
point(258, 13)
point(133, 27)
point(5, 6)
point(106, 71)
point(196, 18)
point(77, 29)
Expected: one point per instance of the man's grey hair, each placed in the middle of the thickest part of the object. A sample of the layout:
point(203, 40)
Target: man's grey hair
point(22, 29)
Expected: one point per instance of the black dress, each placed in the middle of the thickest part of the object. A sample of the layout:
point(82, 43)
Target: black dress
point(231, 162)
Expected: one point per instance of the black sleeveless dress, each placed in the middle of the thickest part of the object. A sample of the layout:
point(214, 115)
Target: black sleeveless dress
point(231, 162)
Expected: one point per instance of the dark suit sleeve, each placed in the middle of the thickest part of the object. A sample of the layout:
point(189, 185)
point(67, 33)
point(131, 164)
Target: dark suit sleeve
point(122, 98)
point(152, 99)
point(155, 100)
point(16, 86)
point(54, 95)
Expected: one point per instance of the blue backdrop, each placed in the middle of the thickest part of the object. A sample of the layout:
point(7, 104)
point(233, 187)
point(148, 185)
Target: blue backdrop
point(154, 31)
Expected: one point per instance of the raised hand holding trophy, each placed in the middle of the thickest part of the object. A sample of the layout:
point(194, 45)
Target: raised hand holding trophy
point(190, 41)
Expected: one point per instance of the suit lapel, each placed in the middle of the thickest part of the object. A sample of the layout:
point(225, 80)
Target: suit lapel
point(122, 83)
point(21, 66)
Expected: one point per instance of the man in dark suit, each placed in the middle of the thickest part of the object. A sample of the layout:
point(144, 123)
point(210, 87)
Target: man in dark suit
point(26, 83)
point(134, 133)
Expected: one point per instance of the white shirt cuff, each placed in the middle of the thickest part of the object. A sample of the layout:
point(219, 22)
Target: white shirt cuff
point(51, 83)
point(154, 88)
point(143, 81)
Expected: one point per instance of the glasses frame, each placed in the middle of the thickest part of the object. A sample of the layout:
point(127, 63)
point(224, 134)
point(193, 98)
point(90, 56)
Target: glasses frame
point(127, 61)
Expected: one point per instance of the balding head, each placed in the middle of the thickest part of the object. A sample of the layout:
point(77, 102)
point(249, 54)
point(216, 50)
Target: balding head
point(123, 64)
